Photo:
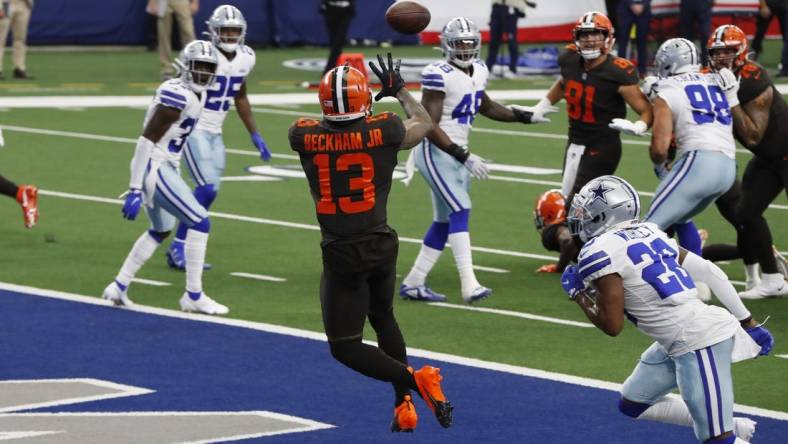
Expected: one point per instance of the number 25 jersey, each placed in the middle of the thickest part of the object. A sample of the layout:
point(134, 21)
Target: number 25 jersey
point(230, 76)
point(349, 168)
point(659, 295)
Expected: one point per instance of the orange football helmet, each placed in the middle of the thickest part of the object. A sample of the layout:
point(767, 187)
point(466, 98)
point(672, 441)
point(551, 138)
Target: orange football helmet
point(344, 94)
point(589, 22)
point(550, 209)
point(727, 36)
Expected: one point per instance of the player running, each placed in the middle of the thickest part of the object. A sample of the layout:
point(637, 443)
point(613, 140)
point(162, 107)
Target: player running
point(631, 269)
point(156, 183)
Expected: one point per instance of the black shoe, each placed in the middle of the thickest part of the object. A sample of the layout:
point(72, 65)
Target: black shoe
point(20, 74)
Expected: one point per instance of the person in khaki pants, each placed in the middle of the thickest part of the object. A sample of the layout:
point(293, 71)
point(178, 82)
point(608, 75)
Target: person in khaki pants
point(182, 10)
point(15, 15)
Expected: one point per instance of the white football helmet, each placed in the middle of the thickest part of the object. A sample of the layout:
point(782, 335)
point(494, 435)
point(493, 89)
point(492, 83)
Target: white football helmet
point(600, 204)
point(461, 42)
point(197, 65)
point(676, 56)
point(226, 18)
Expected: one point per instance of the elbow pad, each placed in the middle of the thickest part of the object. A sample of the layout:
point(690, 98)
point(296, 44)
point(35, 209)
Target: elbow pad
point(705, 271)
point(139, 163)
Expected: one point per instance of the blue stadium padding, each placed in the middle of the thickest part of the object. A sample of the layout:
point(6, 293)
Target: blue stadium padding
point(202, 366)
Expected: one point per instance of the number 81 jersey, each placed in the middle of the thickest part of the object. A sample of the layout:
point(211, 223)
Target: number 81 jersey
point(659, 295)
point(230, 76)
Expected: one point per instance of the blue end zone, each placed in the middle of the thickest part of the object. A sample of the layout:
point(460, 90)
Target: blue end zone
point(201, 366)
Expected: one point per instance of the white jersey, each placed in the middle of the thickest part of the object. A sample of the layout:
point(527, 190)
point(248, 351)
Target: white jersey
point(175, 94)
point(463, 96)
point(230, 75)
point(701, 115)
point(659, 295)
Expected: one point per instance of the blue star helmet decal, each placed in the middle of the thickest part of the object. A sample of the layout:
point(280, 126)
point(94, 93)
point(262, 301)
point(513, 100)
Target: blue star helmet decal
point(599, 192)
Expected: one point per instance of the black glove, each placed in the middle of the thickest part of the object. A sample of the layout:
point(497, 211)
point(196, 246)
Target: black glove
point(390, 79)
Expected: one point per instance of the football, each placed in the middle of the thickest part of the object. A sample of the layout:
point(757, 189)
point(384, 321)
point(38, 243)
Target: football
point(408, 17)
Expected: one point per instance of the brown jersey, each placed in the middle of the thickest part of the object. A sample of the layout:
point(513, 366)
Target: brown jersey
point(349, 168)
point(592, 98)
point(754, 81)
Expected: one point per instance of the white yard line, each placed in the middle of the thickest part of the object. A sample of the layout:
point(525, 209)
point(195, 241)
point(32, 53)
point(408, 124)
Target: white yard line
point(151, 282)
point(516, 314)
point(259, 277)
point(490, 269)
point(306, 334)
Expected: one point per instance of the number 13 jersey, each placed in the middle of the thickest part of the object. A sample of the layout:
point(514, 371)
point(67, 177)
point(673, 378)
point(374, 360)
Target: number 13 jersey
point(230, 76)
point(349, 168)
point(659, 295)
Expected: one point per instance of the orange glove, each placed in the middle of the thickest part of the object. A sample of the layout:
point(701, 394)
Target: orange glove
point(548, 268)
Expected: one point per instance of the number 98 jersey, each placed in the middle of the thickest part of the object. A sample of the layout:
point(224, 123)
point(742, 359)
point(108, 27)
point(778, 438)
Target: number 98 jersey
point(701, 115)
point(463, 96)
point(659, 295)
point(174, 94)
point(230, 75)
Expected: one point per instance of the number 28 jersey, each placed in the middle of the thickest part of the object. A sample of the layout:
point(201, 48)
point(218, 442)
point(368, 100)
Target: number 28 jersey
point(659, 295)
point(230, 75)
point(349, 168)
point(701, 115)
point(463, 96)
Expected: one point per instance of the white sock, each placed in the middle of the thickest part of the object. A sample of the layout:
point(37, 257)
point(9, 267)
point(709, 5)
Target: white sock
point(461, 249)
point(194, 250)
point(740, 441)
point(426, 259)
point(142, 250)
point(751, 272)
point(669, 410)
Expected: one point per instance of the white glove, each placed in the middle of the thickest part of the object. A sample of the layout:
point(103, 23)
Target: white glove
point(730, 85)
point(475, 164)
point(649, 87)
point(539, 111)
point(637, 128)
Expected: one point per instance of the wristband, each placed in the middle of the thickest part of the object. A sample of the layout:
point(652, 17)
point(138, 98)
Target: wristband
point(458, 152)
point(522, 116)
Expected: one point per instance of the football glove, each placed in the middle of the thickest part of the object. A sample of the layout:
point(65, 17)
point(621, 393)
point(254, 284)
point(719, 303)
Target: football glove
point(649, 87)
point(548, 268)
point(637, 128)
point(762, 337)
point(572, 282)
point(131, 207)
point(258, 141)
point(476, 165)
point(390, 79)
point(730, 85)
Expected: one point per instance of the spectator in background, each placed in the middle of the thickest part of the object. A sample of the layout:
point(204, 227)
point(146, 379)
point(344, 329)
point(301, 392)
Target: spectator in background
point(770, 9)
point(15, 15)
point(690, 12)
point(612, 7)
point(337, 14)
point(637, 12)
point(503, 20)
point(182, 10)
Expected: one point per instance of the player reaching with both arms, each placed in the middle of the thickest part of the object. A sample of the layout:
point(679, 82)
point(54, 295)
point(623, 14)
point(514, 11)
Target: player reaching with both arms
point(634, 271)
point(204, 152)
point(348, 157)
point(157, 185)
point(453, 92)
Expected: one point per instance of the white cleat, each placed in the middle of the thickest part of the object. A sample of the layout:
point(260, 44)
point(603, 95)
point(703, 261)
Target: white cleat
point(744, 428)
point(204, 305)
point(772, 285)
point(114, 294)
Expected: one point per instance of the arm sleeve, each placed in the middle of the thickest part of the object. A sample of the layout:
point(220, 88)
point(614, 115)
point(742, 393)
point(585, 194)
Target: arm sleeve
point(139, 163)
point(705, 271)
point(432, 78)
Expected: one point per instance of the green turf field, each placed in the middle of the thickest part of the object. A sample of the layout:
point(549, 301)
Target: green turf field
point(277, 234)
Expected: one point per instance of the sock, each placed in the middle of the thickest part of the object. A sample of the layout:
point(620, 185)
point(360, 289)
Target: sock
point(431, 249)
point(689, 238)
point(461, 249)
point(751, 272)
point(180, 234)
point(8, 188)
point(194, 251)
point(669, 410)
point(772, 280)
point(142, 250)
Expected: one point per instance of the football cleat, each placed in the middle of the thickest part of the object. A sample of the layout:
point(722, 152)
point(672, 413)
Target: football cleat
point(428, 381)
point(772, 285)
point(27, 196)
point(744, 428)
point(203, 305)
point(782, 263)
point(420, 293)
point(478, 294)
point(405, 417)
point(114, 294)
point(176, 258)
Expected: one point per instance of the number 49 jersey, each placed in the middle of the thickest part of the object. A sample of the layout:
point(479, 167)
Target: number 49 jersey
point(463, 96)
point(659, 295)
point(175, 94)
point(230, 75)
point(701, 114)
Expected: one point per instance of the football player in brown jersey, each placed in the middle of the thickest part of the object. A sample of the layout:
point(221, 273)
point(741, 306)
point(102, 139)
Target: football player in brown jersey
point(761, 125)
point(550, 221)
point(348, 157)
point(597, 86)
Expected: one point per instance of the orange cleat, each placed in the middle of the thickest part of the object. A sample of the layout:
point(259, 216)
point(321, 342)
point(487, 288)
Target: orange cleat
point(428, 381)
point(405, 417)
point(27, 196)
